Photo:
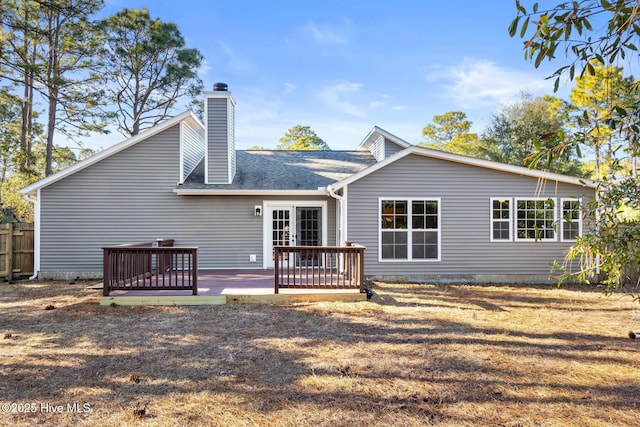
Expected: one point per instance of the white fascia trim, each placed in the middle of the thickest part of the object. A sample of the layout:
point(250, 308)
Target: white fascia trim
point(344, 214)
point(181, 176)
point(76, 167)
point(218, 192)
point(377, 132)
point(457, 158)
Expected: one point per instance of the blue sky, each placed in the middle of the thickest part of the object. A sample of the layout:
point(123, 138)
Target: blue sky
point(342, 67)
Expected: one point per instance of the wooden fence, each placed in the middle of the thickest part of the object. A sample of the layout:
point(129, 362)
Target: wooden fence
point(16, 250)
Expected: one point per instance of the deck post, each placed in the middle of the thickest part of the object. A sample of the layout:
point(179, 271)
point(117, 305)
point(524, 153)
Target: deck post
point(276, 270)
point(194, 272)
point(361, 272)
point(106, 272)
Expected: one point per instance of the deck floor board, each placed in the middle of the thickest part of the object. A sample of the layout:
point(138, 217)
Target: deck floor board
point(235, 285)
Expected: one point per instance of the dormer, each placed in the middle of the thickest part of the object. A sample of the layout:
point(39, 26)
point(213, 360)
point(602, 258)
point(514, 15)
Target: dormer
point(382, 144)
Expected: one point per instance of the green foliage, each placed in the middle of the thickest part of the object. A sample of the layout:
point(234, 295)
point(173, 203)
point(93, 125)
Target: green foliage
point(451, 132)
point(13, 200)
point(518, 130)
point(10, 116)
point(148, 69)
point(611, 245)
point(50, 50)
point(608, 115)
point(301, 138)
point(594, 96)
point(568, 25)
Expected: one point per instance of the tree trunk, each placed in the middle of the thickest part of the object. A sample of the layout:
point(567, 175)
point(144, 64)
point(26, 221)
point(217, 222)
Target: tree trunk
point(53, 77)
point(51, 127)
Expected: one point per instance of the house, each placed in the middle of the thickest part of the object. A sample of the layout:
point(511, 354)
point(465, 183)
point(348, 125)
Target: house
point(420, 213)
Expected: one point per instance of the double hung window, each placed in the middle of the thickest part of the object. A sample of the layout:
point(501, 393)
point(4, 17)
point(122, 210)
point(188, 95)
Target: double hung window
point(571, 224)
point(409, 229)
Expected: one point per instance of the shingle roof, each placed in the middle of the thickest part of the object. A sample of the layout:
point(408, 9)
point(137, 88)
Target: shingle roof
point(286, 170)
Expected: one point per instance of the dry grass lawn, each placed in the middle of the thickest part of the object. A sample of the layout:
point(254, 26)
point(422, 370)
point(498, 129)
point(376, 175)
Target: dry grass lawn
point(413, 355)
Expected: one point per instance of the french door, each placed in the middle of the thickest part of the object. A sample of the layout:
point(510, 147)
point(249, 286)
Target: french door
point(297, 224)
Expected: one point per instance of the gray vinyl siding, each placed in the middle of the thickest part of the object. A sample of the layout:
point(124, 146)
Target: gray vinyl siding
point(192, 149)
point(383, 148)
point(128, 198)
point(465, 192)
point(220, 143)
point(391, 148)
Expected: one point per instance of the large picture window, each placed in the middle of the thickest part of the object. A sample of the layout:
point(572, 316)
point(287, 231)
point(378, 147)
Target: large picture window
point(571, 222)
point(410, 229)
point(535, 219)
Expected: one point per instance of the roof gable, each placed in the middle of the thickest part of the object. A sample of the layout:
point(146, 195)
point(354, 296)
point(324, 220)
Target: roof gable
point(457, 158)
point(378, 132)
point(82, 164)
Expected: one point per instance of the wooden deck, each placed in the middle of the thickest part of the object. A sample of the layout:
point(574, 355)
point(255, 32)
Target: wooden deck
point(217, 287)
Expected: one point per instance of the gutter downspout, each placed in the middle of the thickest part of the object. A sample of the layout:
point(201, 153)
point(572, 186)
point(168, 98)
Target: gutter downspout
point(343, 220)
point(36, 233)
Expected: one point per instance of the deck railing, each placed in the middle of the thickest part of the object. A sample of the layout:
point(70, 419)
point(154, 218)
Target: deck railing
point(319, 267)
point(150, 266)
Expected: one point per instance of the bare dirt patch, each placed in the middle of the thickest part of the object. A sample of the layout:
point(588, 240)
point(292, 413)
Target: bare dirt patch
point(413, 355)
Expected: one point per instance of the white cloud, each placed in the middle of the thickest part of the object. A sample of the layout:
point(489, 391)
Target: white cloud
point(330, 34)
point(482, 83)
point(347, 98)
point(235, 62)
point(289, 88)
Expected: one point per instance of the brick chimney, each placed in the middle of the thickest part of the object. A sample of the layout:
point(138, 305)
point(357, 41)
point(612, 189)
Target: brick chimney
point(220, 151)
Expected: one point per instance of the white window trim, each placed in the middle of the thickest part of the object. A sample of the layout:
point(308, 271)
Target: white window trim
point(510, 221)
point(515, 219)
point(562, 221)
point(409, 229)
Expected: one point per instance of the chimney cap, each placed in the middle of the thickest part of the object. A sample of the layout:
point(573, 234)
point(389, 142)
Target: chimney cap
point(220, 87)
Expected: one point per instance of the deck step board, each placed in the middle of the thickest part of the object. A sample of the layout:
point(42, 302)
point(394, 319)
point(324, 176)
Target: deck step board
point(231, 299)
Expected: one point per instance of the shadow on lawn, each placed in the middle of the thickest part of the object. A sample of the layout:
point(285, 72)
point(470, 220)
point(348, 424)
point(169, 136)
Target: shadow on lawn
point(491, 297)
point(367, 361)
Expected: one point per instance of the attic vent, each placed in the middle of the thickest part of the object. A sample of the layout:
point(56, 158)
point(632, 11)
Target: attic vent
point(220, 87)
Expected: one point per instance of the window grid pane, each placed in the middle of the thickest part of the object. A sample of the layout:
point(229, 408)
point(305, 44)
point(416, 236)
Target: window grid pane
point(535, 219)
point(424, 214)
point(570, 219)
point(394, 214)
point(500, 230)
point(425, 245)
point(394, 245)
